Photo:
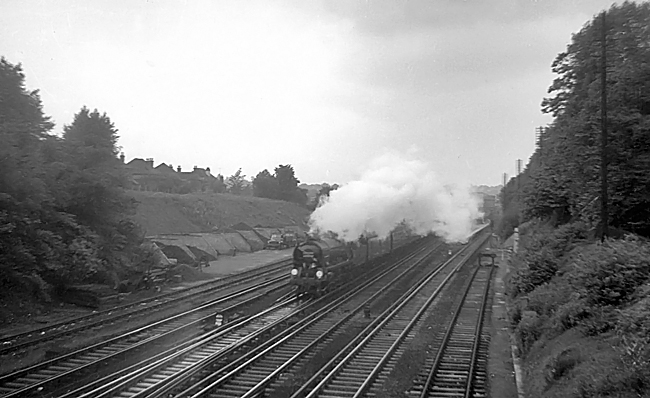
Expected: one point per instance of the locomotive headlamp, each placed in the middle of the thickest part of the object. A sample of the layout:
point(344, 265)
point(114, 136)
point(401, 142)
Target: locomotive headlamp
point(294, 272)
point(319, 273)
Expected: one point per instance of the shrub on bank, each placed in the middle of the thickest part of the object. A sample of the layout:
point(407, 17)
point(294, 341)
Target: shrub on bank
point(608, 274)
point(563, 283)
point(544, 252)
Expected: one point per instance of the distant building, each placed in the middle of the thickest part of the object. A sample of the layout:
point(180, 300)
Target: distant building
point(201, 180)
point(143, 175)
point(163, 178)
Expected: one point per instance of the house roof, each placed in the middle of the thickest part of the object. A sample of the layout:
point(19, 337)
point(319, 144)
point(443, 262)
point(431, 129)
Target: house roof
point(139, 164)
point(165, 168)
point(197, 174)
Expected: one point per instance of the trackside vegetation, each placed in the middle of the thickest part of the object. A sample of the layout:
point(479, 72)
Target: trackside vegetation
point(579, 306)
point(580, 312)
point(64, 213)
point(68, 214)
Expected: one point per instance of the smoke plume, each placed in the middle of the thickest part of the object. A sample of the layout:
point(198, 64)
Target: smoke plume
point(393, 190)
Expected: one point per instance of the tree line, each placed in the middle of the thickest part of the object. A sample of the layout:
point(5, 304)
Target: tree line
point(562, 179)
point(281, 185)
point(64, 212)
point(65, 215)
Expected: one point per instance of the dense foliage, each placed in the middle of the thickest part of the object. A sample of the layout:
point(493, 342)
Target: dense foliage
point(578, 306)
point(562, 179)
point(63, 211)
point(282, 185)
point(568, 292)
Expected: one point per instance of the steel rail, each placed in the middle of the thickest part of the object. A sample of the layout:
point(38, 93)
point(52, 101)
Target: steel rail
point(13, 343)
point(155, 376)
point(364, 349)
point(365, 386)
point(112, 379)
point(314, 385)
point(38, 376)
point(108, 380)
point(459, 382)
point(296, 342)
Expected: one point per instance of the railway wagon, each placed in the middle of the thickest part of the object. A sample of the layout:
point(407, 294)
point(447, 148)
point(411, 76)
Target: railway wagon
point(317, 263)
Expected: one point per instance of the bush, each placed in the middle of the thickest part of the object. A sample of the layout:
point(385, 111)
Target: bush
point(601, 320)
point(635, 319)
point(528, 330)
point(570, 314)
point(608, 274)
point(540, 268)
point(561, 364)
point(548, 298)
point(544, 251)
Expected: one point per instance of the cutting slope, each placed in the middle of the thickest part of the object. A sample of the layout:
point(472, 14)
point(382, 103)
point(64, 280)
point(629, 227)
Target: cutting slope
point(161, 213)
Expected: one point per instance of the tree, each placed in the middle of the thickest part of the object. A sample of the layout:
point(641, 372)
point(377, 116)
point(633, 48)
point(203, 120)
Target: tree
point(288, 185)
point(324, 192)
point(22, 127)
point(40, 244)
point(95, 178)
point(92, 130)
point(573, 164)
point(236, 183)
point(266, 185)
point(95, 182)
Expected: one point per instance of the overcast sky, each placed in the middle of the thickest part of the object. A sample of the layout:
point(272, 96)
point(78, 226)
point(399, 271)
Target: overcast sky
point(325, 86)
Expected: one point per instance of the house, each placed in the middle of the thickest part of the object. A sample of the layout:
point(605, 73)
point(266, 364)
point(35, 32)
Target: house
point(143, 176)
point(163, 178)
point(202, 180)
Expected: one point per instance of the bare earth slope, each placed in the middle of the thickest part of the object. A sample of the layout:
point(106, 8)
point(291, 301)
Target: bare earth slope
point(160, 213)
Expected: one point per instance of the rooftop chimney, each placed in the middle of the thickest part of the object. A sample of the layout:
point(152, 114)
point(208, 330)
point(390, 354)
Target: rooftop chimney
point(149, 161)
point(178, 168)
point(122, 157)
point(207, 170)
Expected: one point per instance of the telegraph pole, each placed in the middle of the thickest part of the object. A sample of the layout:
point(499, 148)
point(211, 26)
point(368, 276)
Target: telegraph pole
point(604, 212)
point(518, 166)
point(539, 131)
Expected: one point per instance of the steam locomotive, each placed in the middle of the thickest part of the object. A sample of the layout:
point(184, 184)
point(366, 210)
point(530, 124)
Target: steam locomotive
point(317, 263)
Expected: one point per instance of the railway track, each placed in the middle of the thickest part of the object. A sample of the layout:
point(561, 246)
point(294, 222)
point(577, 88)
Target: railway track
point(459, 369)
point(363, 365)
point(69, 327)
point(47, 376)
point(151, 378)
point(263, 369)
point(257, 355)
point(220, 352)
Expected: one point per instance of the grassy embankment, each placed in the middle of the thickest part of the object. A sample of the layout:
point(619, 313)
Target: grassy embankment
point(200, 212)
point(580, 312)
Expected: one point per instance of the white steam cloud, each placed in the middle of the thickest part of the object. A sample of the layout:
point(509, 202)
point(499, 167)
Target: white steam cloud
point(396, 190)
